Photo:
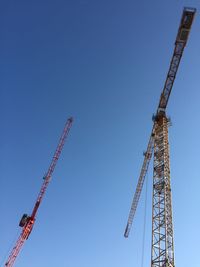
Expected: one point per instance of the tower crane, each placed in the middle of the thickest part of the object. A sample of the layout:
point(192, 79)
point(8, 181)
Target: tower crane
point(162, 247)
point(27, 222)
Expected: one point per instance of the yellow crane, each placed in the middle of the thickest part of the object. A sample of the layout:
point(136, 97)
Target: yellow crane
point(162, 251)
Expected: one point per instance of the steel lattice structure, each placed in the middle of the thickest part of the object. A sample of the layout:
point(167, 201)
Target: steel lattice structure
point(162, 227)
point(27, 222)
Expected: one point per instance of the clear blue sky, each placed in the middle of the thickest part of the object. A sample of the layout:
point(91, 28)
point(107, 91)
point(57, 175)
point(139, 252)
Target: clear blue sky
point(103, 62)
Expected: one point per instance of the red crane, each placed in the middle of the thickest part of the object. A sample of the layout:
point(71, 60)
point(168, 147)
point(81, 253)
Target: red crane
point(27, 222)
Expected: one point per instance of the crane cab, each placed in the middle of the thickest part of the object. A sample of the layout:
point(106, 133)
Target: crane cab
point(24, 220)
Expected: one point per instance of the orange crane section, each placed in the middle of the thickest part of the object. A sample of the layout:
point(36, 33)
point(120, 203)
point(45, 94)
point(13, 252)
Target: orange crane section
point(27, 222)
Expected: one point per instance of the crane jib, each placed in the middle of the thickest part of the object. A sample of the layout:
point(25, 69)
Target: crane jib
point(180, 43)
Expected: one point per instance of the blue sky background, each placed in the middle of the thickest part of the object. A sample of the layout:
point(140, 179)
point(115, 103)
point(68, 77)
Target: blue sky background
point(105, 63)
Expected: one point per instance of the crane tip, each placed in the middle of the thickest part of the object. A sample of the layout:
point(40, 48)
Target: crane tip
point(190, 9)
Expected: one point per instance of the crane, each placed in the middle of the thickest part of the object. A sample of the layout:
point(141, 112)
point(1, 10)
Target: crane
point(162, 247)
point(27, 222)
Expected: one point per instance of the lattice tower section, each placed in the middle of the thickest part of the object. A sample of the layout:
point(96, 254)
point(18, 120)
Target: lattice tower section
point(162, 227)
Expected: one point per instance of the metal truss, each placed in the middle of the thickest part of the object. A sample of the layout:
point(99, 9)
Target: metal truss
point(162, 227)
point(180, 43)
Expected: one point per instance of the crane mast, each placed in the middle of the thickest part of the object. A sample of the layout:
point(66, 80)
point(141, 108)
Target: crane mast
point(162, 253)
point(27, 222)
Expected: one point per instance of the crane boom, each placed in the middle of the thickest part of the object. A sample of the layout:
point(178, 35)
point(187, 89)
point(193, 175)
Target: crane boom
point(145, 165)
point(27, 222)
point(180, 43)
